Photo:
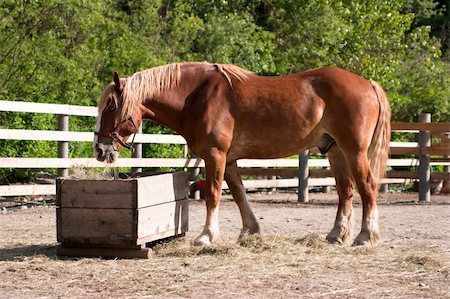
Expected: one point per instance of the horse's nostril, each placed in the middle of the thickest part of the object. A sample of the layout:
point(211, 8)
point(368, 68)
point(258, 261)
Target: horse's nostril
point(99, 151)
point(110, 157)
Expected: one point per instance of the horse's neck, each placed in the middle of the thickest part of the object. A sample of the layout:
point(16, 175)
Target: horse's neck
point(166, 108)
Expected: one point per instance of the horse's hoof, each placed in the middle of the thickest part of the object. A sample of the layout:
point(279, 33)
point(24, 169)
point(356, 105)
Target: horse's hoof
point(365, 238)
point(202, 240)
point(335, 240)
point(248, 232)
point(339, 237)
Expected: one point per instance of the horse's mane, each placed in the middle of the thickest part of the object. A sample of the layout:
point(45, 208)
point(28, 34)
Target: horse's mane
point(148, 83)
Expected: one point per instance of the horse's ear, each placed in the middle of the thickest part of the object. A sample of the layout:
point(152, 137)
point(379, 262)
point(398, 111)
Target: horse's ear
point(118, 83)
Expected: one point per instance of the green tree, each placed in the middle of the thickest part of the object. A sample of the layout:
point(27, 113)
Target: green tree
point(65, 51)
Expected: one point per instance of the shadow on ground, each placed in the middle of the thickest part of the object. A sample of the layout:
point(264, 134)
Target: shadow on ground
point(22, 252)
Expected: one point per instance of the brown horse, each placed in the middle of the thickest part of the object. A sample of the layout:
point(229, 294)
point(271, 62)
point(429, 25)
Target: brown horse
point(226, 113)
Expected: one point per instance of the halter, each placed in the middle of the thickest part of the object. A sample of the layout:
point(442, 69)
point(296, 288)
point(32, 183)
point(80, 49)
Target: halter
point(116, 137)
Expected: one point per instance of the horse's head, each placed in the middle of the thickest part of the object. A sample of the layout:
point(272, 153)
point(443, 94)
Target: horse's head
point(113, 126)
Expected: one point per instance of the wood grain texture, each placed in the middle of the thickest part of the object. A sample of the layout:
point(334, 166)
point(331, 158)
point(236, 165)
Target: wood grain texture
point(96, 193)
point(122, 212)
point(164, 220)
point(96, 226)
point(161, 188)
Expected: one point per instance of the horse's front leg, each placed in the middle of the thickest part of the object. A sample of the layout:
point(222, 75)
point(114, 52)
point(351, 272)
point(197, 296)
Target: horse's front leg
point(215, 168)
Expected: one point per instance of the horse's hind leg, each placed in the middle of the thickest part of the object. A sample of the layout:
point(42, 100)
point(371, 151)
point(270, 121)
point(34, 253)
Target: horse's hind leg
point(249, 223)
point(367, 188)
point(343, 225)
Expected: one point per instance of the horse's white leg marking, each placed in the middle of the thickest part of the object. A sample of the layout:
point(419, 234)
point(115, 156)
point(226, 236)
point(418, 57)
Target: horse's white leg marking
point(343, 226)
point(370, 231)
point(211, 231)
point(215, 169)
point(367, 188)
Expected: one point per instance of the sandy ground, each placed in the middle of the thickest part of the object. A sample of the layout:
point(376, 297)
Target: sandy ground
point(291, 260)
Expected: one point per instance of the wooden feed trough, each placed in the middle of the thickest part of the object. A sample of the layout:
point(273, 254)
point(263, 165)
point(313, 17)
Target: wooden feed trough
point(116, 218)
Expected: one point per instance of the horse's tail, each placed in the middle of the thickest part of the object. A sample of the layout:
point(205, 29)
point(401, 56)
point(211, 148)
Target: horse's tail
point(379, 147)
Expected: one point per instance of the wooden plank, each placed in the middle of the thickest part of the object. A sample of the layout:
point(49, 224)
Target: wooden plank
point(403, 162)
point(415, 175)
point(91, 162)
point(17, 106)
point(406, 174)
point(432, 127)
point(403, 144)
point(133, 253)
point(161, 188)
point(434, 150)
point(440, 175)
point(282, 172)
point(102, 200)
point(404, 151)
point(442, 160)
point(169, 162)
point(285, 172)
point(24, 190)
point(164, 220)
point(45, 135)
point(281, 163)
point(320, 173)
point(115, 194)
point(97, 226)
point(102, 227)
point(283, 183)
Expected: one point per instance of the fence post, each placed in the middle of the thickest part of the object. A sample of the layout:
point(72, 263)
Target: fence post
point(327, 188)
point(384, 188)
point(424, 160)
point(137, 154)
point(63, 146)
point(446, 182)
point(272, 177)
point(195, 173)
point(303, 174)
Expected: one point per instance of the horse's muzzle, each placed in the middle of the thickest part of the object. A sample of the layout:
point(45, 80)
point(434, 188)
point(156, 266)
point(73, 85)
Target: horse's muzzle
point(105, 152)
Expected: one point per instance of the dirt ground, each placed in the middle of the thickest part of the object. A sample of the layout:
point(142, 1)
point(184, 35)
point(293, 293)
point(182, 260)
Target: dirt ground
point(291, 259)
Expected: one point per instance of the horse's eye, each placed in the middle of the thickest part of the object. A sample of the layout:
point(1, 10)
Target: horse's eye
point(111, 105)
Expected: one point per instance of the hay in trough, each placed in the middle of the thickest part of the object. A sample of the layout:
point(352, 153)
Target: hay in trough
point(81, 172)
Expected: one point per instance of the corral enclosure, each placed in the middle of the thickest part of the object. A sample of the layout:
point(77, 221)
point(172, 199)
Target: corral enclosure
point(290, 259)
point(310, 172)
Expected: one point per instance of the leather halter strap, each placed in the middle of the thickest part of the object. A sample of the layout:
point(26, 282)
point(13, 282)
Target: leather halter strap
point(116, 137)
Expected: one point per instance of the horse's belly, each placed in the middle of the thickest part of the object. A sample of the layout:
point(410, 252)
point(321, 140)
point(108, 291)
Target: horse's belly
point(260, 145)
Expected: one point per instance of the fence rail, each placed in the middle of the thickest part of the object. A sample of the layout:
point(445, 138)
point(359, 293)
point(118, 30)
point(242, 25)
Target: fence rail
point(318, 174)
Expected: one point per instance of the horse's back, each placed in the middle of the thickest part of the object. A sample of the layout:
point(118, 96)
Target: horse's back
point(337, 83)
point(278, 116)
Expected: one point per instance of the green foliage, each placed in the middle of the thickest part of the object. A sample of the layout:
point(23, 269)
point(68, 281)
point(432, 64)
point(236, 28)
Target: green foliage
point(372, 38)
point(251, 48)
point(65, 51)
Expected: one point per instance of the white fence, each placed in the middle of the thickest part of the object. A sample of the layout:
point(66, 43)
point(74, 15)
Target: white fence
point(63, 136)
